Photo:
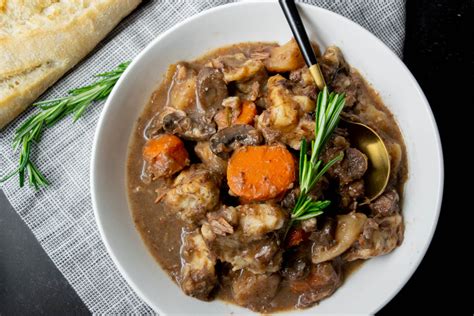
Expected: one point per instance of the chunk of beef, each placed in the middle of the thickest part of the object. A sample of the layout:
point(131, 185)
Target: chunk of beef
point(386, 204)
point(380, 236)
point(296, 263)
point(246, 236)
point(303, 83)
point(325, 237)
point(198, 275)
point(336, 144)
point(323, 279)
point(255, 291)
point(272, 134)
point(350, 193)
point(237, 67)
point(194, 192)
point(352, 167)
point(254, 87)
point(338, 74)
point(208, 158)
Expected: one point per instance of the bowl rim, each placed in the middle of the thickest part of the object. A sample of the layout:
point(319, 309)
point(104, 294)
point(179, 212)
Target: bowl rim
point(108, 104)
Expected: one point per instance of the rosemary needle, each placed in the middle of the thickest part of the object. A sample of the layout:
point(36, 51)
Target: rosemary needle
point(50, 112)
point(328, 109)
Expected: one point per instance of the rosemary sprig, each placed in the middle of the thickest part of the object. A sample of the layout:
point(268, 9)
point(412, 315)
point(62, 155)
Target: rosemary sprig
point(328, 109)
point(51, 111)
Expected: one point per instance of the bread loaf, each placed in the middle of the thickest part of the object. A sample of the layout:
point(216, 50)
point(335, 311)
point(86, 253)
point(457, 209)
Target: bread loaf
point(41, 40)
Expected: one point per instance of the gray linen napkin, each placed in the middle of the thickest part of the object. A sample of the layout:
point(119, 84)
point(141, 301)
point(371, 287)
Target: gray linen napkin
point(61, 215)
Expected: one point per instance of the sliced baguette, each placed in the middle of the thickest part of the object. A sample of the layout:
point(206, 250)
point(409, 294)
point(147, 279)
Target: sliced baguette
point(41, 40)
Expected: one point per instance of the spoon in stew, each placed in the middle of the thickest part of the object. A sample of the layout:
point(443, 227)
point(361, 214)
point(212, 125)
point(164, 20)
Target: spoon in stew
point(361, 136)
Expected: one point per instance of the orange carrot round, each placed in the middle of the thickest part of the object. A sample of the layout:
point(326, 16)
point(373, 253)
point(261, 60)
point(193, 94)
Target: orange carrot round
point(257, 173)
point(247, 114)
point(165, 155)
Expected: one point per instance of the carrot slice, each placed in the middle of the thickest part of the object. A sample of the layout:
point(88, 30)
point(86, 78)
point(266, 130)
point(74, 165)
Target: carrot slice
point(257, 173)
point(247, 114)
point(165, 155)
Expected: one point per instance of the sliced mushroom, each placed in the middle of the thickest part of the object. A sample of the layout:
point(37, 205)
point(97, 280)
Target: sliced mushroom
point(179, 123)
point(230, 138)
point(348, 229)
point(211, 88)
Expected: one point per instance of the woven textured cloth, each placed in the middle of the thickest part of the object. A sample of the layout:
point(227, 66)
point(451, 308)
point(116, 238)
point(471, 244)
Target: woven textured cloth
point(61, 215)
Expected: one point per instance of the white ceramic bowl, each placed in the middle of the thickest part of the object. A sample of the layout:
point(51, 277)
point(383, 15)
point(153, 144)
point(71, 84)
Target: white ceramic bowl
point(379, 279)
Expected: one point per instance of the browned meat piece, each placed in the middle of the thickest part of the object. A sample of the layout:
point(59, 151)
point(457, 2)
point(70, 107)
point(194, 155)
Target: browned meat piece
point(296, 263)
point(289, 201)
point(198, 275)
point(246, 236)
point(228, 214)
point(254, 87)
point(333, 63)
point(285, 58)
point(350, 193)
point(258, 256)
point(380, 236)
point(334, 146)
point(194, 192)
point(348, 230)
point(303, 129)
point(250, 221)
point(303, 83)
point(323, 279)
point(338, 74)
point(211, 89)
point(325, 237)
point(286, 118)
point(352, 167)
point(237, 67)
point(228, 139)
point(385, 205)
point(207, 157)
point(255, 291)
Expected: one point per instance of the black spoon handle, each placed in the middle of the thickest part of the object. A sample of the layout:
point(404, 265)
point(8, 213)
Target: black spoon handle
point(297, 28)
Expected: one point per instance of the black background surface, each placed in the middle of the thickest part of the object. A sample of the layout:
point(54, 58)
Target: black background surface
point(437, 53)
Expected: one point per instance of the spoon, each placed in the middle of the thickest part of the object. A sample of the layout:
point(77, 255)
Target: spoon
point(361, 136)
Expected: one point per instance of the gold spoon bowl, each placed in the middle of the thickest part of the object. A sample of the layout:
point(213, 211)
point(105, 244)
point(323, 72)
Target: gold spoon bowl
point(371, 144)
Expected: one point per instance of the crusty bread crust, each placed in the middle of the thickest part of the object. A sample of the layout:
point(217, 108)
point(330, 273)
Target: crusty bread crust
point(32, 60)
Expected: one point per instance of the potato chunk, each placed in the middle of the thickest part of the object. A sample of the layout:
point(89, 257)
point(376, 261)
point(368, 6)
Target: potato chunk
point(285, 58)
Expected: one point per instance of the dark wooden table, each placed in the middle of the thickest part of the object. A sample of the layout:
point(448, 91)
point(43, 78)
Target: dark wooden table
point(435, 51)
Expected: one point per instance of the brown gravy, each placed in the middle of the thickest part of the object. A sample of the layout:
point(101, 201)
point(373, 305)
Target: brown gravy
point(161, 230)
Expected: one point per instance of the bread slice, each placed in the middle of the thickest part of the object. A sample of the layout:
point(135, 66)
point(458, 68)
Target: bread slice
point(41, 40)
